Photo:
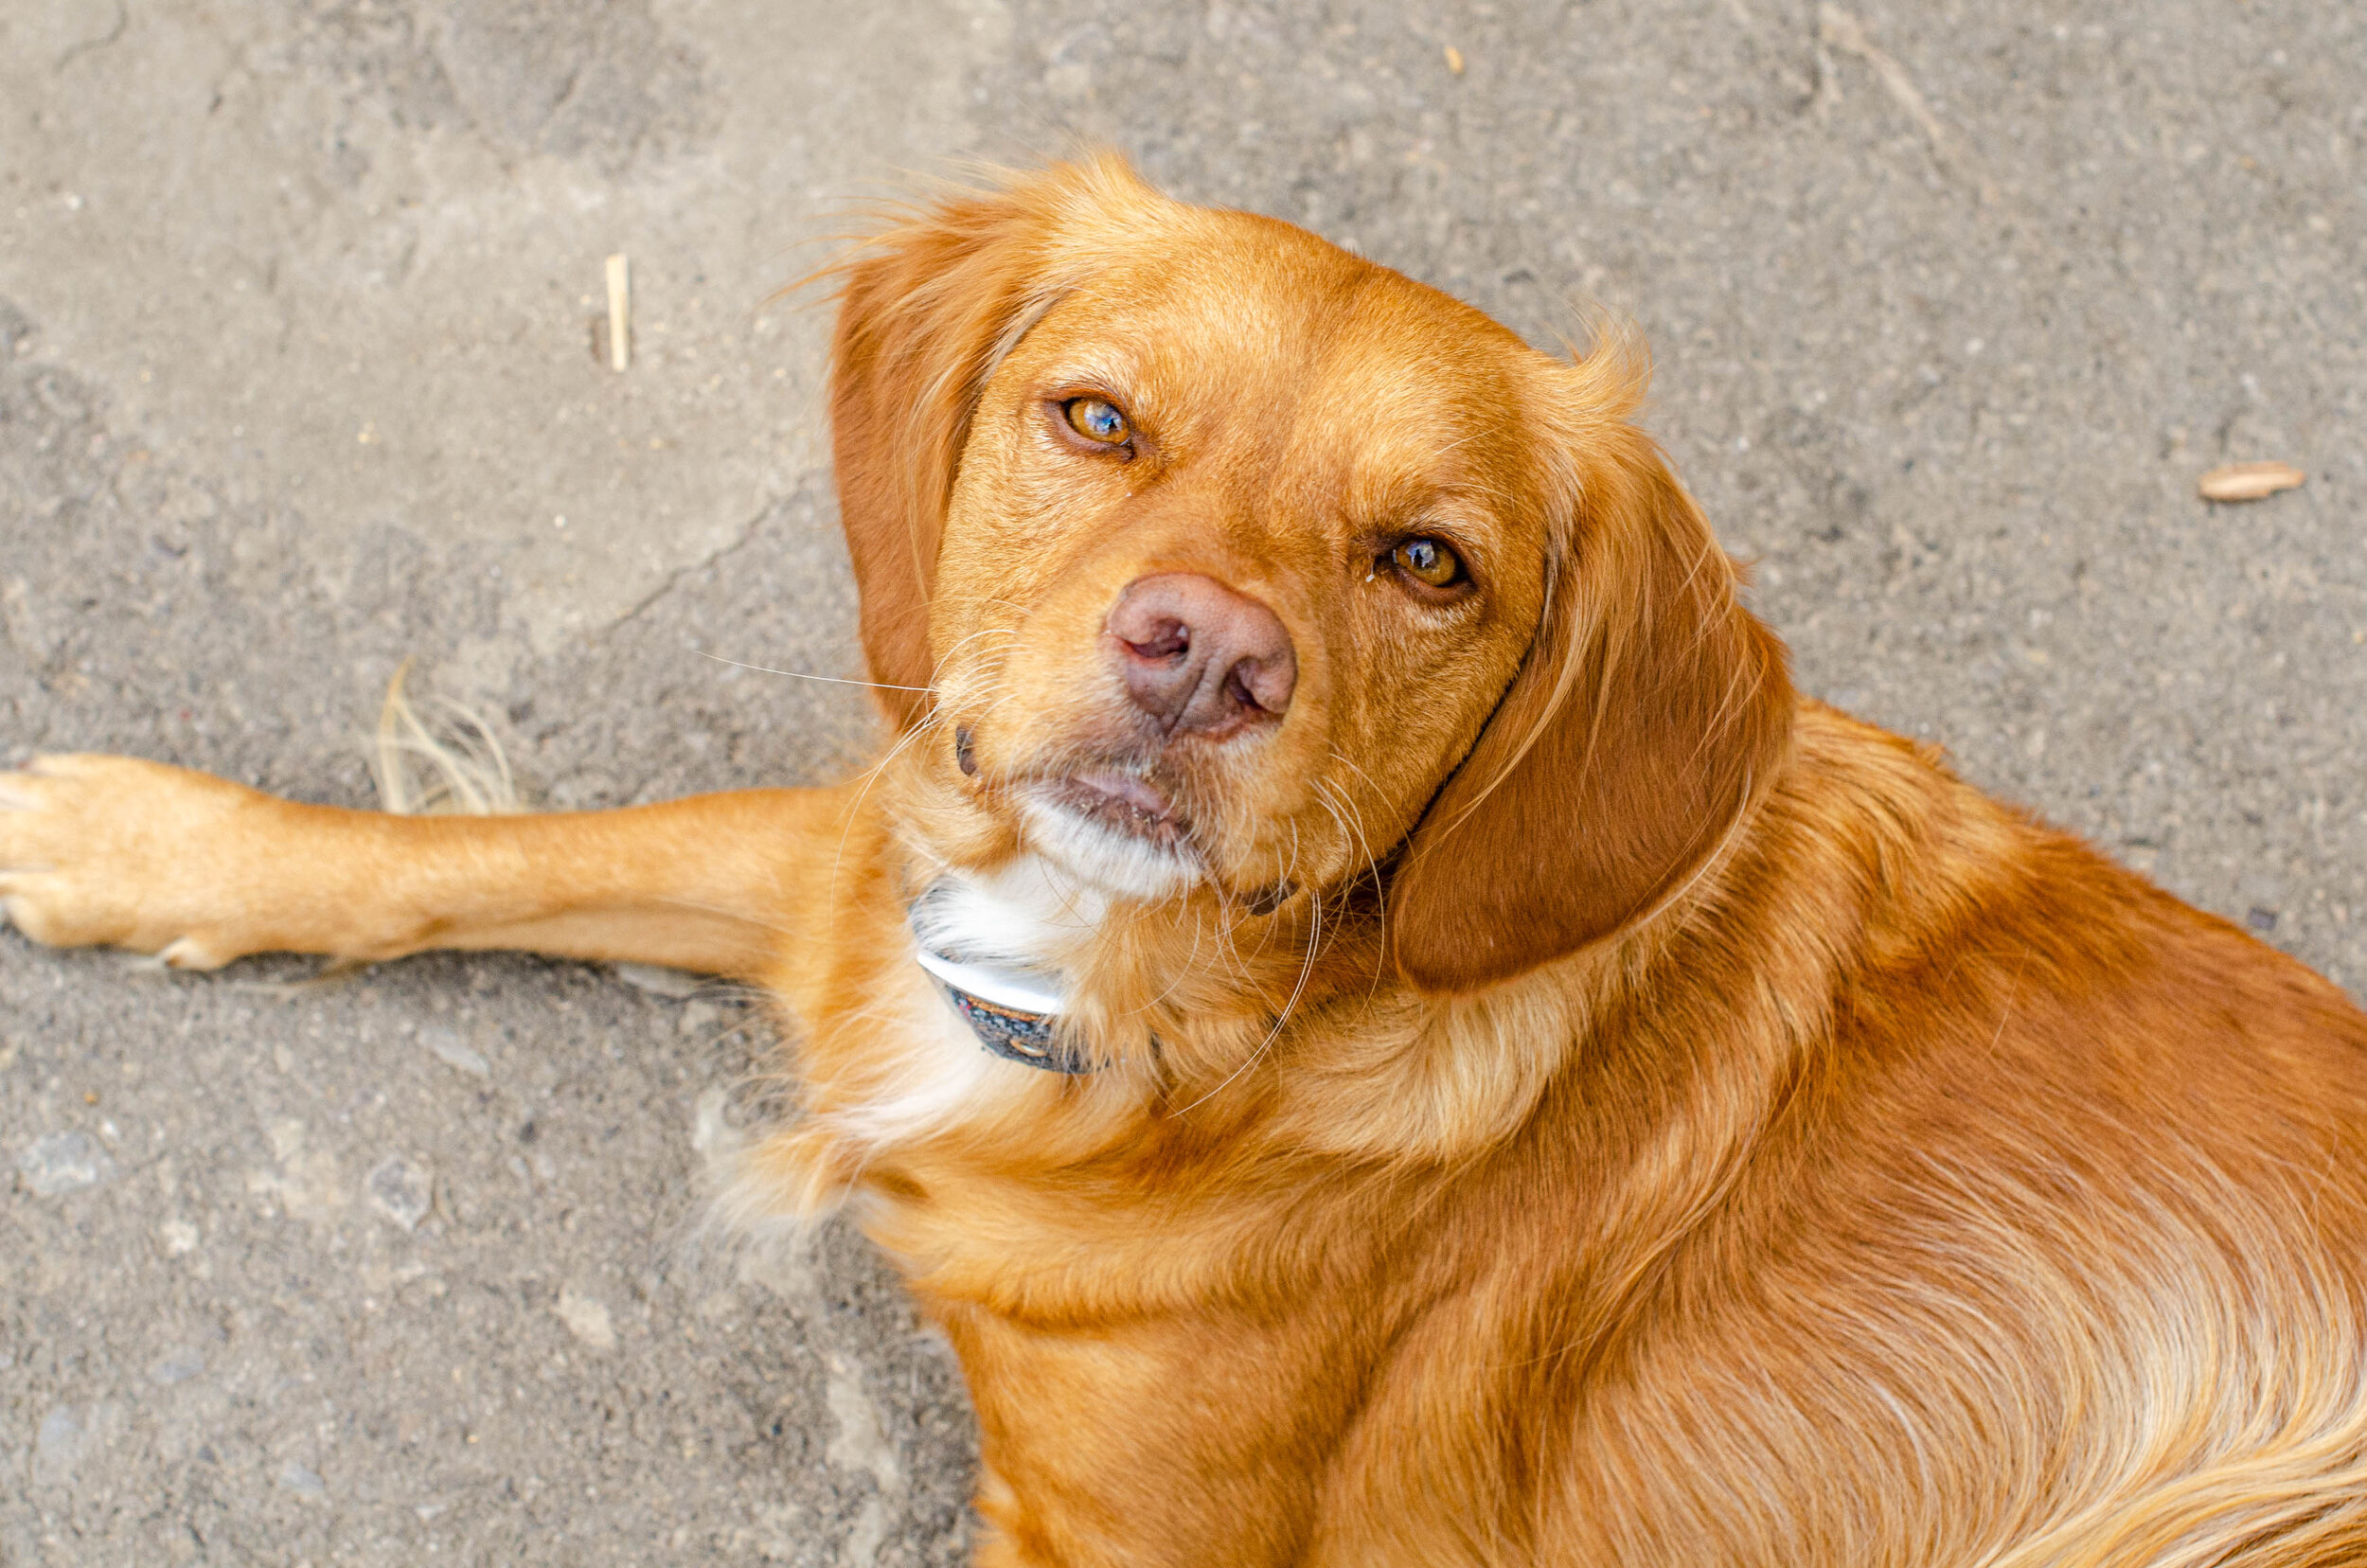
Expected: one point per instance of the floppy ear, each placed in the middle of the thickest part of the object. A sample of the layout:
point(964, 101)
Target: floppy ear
point(1650, 714)
point(925, 311)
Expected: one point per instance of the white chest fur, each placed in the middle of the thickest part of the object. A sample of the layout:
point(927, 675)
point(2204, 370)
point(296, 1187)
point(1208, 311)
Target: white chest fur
point(1015, 922)
point(1025, 916)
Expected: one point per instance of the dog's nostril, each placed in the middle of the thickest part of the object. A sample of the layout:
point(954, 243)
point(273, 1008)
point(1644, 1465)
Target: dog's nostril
point(1166, 640)
point(1199, 657)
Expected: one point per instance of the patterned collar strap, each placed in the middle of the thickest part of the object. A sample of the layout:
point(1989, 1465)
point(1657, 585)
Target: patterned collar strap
point(1013, 1012)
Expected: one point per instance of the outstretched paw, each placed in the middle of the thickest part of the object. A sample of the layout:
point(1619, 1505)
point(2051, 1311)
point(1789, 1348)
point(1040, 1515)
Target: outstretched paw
point(131, 854)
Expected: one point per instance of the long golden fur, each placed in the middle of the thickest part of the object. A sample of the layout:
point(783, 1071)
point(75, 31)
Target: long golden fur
point(1560, 1096)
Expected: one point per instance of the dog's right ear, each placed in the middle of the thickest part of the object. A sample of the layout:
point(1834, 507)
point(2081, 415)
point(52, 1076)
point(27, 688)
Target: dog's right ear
point(925, 313)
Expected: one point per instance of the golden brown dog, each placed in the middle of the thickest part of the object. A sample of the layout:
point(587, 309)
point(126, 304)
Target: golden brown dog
point(1368, 1009)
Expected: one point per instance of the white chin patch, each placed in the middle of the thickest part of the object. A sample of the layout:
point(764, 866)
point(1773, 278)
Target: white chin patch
point(1103, 856)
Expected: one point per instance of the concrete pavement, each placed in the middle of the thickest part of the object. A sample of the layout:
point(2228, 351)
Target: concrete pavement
point(300, 376)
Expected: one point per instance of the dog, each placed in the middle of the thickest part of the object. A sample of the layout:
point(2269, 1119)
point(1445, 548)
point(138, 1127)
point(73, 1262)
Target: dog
point(1369, 1010)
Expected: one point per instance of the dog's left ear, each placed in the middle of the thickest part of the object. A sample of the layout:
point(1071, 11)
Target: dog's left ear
point(1651, 713)
point(926, 311)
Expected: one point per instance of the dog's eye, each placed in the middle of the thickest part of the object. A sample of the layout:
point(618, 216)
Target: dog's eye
point(1430, 562)
point(1096, 420)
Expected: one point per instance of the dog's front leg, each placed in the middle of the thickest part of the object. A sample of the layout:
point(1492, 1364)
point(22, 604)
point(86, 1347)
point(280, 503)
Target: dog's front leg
point(133, 854)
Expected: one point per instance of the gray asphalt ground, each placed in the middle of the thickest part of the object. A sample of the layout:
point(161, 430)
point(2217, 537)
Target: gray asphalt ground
point(1953, 302)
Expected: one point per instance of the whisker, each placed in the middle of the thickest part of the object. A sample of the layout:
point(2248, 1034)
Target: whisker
point(1199, 926)
point(1372, 864)
point(936, 671)
point(1306, 968)
point(801, 675)
point(871, 777)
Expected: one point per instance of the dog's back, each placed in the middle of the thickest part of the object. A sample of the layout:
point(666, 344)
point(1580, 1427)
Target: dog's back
point(2024, 1218)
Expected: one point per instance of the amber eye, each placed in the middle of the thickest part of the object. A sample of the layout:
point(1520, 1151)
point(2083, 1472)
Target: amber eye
point(1429, 561)
point(1096, 420)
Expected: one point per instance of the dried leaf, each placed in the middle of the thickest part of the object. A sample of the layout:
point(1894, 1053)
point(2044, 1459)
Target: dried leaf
point(2248, 481)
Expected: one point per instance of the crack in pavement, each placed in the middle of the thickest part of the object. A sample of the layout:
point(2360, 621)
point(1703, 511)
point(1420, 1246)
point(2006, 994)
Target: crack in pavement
point(1836, 28)
point(674, 578)
point(92, 46)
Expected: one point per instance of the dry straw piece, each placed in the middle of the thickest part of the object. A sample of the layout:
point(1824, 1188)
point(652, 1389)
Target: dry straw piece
point(449, 766)
point(2248, 481)
point(619, 314)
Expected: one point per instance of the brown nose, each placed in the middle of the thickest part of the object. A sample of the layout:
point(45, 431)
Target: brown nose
point(1200, 658)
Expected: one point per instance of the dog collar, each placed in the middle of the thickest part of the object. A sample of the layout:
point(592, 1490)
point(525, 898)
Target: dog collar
point(1012, 1011)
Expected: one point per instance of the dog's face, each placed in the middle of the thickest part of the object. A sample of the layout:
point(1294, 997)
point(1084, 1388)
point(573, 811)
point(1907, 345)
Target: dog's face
point(1220, 559)
point(1226, 587)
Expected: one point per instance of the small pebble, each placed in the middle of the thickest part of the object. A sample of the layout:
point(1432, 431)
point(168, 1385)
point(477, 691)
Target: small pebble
point(179, 1366)
point(586, 1317)
point(446, 1045)
point(399, 1190)
point(67, 1436)
point(61, 1440)
point(302, 1482)
point(660, 981)
point(63, 1163)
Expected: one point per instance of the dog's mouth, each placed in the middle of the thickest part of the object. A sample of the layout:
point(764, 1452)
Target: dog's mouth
point(1123, 802)
point(1113, 829)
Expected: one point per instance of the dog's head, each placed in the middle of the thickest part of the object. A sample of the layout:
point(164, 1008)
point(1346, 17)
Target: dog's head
point(1214, 558)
